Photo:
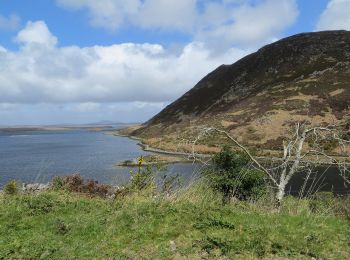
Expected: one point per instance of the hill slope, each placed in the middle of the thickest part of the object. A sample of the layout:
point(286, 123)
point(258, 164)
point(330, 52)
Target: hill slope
point(305, 77)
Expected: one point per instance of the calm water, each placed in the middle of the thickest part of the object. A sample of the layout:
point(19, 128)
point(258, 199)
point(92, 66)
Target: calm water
point(38, 156)
point(33, 157)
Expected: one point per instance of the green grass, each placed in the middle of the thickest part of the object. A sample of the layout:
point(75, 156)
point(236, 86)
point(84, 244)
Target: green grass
point(61, 225)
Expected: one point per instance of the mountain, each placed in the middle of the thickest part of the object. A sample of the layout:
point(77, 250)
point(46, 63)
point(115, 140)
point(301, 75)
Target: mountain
point(305, 78)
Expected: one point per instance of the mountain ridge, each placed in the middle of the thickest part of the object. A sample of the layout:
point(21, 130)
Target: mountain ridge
point(305, 77)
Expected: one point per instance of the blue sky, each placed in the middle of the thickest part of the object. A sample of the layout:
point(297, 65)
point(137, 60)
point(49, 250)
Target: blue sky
point(72, 27)
point(78, 61)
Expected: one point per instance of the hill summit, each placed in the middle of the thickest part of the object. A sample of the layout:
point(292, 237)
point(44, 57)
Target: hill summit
point(303, 78)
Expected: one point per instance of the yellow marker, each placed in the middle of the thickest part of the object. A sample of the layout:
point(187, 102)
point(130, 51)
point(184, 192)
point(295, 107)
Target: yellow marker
point(140, 160)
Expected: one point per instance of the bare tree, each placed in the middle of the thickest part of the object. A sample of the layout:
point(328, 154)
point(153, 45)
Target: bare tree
point(303, 149)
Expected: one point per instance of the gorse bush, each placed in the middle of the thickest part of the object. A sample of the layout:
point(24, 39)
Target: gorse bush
point(11, 188)
point(143, 177)
point(231, 176)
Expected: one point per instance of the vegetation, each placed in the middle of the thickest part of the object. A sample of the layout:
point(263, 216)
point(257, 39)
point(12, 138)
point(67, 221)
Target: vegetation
point(154, 160)
point(86, 220)
point(296, 84)
point(231, 176)
point(192, 224)
point(11, 188)
point(76, 183)
point(142, 178)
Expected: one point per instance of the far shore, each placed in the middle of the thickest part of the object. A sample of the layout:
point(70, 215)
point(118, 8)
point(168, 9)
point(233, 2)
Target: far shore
point(15, 129)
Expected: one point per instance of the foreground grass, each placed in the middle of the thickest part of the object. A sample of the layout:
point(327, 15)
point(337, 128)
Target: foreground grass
point(61, 225)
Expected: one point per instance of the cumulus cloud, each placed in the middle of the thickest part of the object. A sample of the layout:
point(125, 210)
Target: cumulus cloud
point(247, 24)
point(40, 71)
point(11, 22)
point(36, 33)
point(336, 16)
point(231, 21)
point(76, 84)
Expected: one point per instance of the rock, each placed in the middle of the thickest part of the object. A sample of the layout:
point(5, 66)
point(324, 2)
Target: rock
point(35, 187)
point(172, 245)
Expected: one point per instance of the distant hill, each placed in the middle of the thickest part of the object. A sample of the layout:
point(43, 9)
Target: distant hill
point(305, 77)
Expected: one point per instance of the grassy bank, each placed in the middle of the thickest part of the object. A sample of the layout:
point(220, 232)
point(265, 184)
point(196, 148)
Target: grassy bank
point(190, 224)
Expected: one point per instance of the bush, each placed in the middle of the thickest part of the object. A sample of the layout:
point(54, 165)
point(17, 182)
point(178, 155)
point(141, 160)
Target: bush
point(58, 183)
point(11, 188)
point(231, 176)
point(142, 178)
point(76, 183)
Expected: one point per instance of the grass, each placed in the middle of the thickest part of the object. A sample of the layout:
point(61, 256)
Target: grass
point(62, 225)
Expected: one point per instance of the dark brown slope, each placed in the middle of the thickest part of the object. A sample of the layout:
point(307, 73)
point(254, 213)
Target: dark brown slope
point(299, 75)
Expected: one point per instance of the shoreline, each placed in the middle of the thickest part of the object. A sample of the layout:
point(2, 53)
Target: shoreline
point(173, 157)
point(148, 148)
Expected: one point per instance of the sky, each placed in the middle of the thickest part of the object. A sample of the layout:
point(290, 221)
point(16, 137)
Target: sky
point(85, 61)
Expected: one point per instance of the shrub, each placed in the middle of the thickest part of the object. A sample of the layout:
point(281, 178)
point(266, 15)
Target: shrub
point(76, 183)
point(11, 188)
point(231, 176)
point(142, 178)
point(93, 187)
point(58, 183)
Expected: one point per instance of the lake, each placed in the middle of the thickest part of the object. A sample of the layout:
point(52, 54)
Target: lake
point(37, 156)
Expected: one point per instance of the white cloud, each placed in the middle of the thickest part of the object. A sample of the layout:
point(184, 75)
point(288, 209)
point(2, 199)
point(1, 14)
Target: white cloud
point(36, 33)
point(110, 14)
point(9, 23)
point(249, 24)
point(227, 21)
point(129, 81)
point(40, 71)
point(336, 16)
point(167, 14)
